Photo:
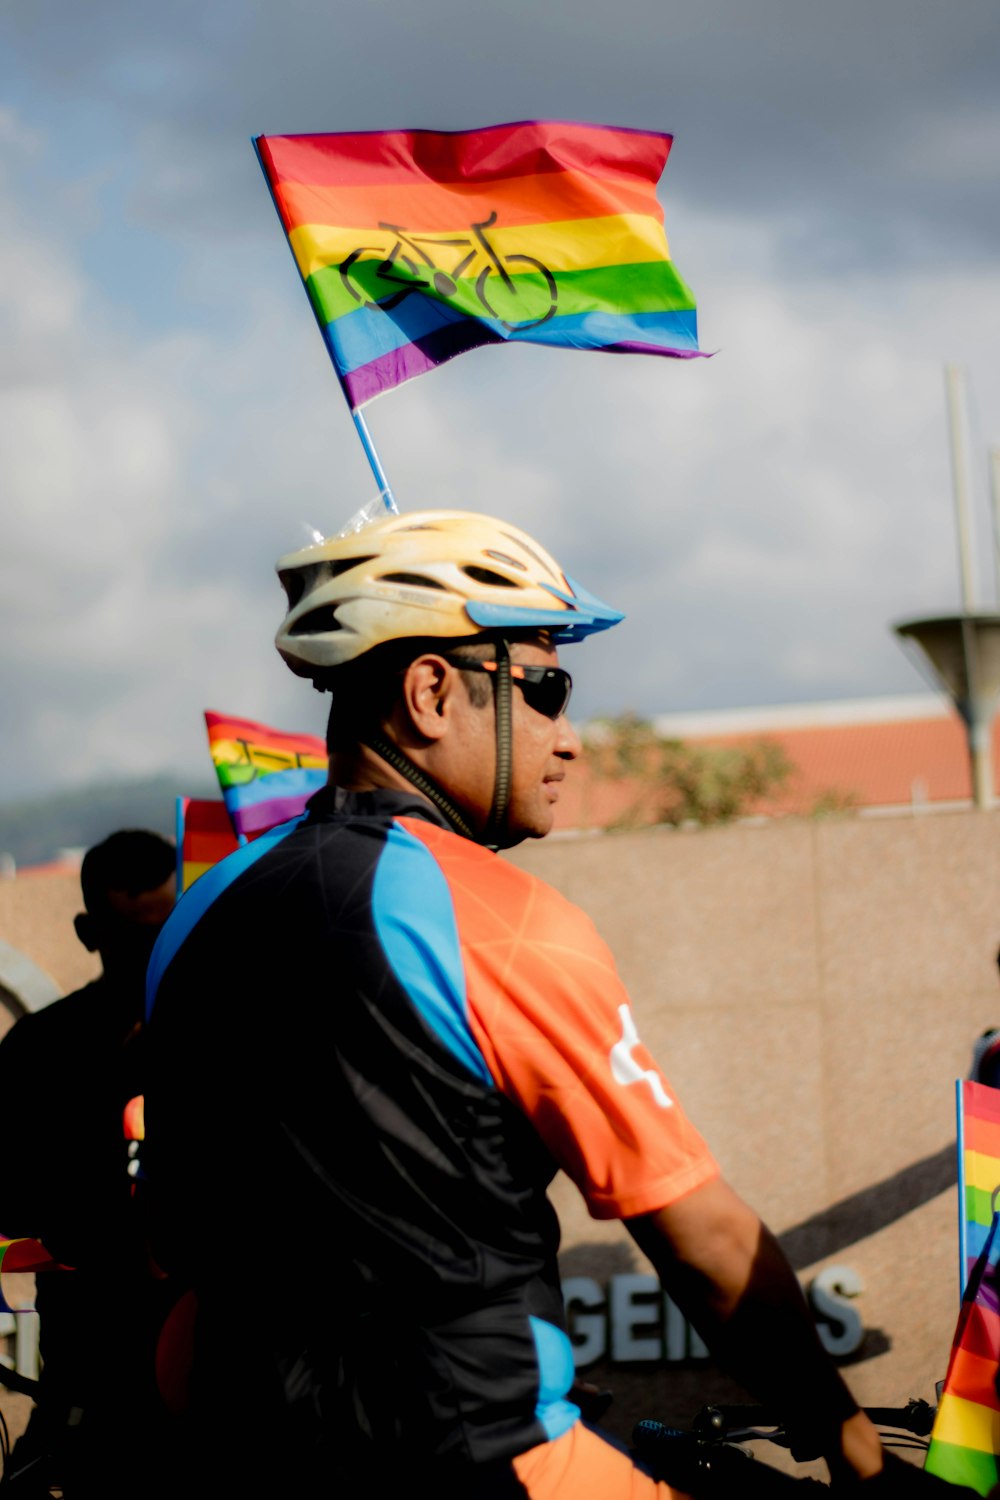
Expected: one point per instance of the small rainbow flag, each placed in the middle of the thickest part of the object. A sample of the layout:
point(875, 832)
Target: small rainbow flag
point(266, 776)
point(417, 245)
point(204, 836)
point(965, 1439)
point(978, 1111)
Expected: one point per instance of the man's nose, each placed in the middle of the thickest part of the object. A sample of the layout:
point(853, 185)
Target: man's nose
point(567, 741)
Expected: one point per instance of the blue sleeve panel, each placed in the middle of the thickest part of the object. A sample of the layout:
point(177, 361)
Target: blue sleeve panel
point(415, 921)
point(555, 1376)
point(196, 900)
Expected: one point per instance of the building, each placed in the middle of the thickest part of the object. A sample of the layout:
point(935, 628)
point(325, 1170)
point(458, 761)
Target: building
point(902, 754)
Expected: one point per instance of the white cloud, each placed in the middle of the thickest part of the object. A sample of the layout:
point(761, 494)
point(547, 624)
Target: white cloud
point(169, 423)
point(16, 136)
point(953, 147)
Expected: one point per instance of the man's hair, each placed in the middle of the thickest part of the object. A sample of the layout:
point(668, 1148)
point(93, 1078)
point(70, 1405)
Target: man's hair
point(132, 860)
point(364, 691)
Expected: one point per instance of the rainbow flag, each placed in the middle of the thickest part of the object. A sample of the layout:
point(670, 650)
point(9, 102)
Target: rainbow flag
point(266, 776)
point(965, 1439)
point(978, 1111)
point(416, 245)
point(204, 836)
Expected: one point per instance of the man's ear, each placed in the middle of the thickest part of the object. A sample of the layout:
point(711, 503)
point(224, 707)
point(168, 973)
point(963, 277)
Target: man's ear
point(429, 683)
point(86, 931)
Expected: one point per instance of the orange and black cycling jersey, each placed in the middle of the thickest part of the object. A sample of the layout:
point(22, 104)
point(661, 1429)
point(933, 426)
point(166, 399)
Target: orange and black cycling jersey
point(372, 1043)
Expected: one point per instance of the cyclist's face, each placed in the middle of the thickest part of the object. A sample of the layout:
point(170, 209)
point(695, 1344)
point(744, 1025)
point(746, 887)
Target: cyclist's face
point(541, 750)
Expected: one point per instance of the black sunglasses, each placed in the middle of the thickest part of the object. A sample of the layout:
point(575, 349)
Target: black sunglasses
point(545, 689)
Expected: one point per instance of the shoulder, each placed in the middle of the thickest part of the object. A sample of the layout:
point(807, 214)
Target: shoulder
point(70, 1013)
point(495, 900)
point(51, 1048)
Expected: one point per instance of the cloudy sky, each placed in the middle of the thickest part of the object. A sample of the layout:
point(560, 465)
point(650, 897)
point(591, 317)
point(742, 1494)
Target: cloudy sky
point(169, 422)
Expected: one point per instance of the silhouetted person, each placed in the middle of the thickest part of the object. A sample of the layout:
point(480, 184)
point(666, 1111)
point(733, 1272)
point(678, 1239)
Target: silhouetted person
point(66, 1074)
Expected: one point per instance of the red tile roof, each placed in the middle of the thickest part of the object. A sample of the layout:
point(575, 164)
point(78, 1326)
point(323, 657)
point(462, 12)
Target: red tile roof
point(883, 753)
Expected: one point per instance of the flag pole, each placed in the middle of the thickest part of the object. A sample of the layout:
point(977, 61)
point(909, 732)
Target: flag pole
point(360, 425)
point(388, 499)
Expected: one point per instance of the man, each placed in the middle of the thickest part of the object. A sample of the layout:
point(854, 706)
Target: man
point(66, 1075)
point(400, 1038)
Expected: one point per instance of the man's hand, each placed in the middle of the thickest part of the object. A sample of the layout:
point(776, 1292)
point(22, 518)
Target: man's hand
point(727, 1273)
point(861, 1453)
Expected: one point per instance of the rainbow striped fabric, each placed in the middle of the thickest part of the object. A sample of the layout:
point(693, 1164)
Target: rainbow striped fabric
point(417, 245)
point(204, 836)
point(266, 776)
point(978, 1112)
point(965, 1439)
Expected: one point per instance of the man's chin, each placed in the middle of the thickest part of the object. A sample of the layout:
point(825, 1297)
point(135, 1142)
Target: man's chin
point(533, 828)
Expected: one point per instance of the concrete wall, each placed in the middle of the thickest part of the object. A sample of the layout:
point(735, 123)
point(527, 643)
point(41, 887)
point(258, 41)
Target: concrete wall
point(813, 990)
point(36, 928)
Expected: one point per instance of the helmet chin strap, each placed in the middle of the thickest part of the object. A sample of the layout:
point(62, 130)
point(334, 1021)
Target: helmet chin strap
point(423, 783)
point(502, 691)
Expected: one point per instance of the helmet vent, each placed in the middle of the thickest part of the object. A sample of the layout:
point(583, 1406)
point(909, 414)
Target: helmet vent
point(512, 562)
point(294, 584)
point(414, 579)
point(297, 582)
point(334, 569)
point(489, 577)
point(532, 553)
point(317, 622)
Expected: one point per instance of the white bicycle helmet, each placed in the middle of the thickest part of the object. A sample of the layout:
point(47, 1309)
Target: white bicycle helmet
point(432, 573)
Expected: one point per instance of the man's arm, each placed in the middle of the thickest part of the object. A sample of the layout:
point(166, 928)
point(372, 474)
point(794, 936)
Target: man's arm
point(726, 1272)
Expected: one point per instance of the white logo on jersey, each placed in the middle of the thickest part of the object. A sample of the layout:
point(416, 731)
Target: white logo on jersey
point(625, 1069)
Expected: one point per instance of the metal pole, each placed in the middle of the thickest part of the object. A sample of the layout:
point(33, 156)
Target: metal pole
point(978, 716)
point(960, 481)
point(981, 747)
point(995, 506)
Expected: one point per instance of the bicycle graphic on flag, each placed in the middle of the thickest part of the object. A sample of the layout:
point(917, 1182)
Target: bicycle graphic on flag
point(253, 761)
point(517, 291)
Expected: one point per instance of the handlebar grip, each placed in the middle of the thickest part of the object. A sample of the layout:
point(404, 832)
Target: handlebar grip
point(916, 1417)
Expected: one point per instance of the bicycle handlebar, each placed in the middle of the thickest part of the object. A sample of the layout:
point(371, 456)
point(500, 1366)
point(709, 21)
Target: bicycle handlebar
point(704, 1461)
point(740, 1423)
point(713, 1471)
